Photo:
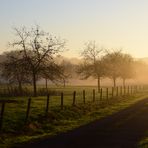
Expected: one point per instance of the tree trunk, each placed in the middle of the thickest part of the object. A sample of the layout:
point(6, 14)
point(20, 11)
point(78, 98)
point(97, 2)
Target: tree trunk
point(99, 84)
point(34, 85)
point(20, 87)
point(114, 81)
point(46, 83)
point(64, 83)
point(123, 82)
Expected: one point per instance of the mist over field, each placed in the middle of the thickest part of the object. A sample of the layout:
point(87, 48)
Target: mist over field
point(140, 78)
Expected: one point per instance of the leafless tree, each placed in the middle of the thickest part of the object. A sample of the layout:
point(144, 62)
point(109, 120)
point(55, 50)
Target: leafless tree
point(118, 64)
point(14, 69)
point(127, 68)
point(92, 65)
point(38, 48)
point(53, 72)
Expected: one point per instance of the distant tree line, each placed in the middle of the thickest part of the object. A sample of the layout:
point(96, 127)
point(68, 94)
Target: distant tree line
point(36, 53)
point(100, 63)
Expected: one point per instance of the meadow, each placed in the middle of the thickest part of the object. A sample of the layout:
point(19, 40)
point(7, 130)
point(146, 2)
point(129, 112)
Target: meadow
point(62, 110)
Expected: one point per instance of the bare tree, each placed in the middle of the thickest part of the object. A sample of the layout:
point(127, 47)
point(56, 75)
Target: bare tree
point(37, 47)
point(67, 69)
point(112, 62)
point(14, 69)
point(53, 72)
point(126, 67)
point(92, 65)
point(118, 64)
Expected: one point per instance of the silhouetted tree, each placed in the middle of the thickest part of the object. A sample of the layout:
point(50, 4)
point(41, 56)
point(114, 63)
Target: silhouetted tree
point(14, 69)
point(38, 48)
point(126, 67)
point(53, 72)
point(118, 64)
point(67, 71)
point(112, 62)
point(92, 65)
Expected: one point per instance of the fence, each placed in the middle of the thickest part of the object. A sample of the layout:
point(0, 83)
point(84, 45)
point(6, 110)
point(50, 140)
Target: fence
point(73, 99)
point(10, 91)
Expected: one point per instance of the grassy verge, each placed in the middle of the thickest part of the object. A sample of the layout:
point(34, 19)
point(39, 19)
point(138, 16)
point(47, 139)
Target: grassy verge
point(144, 142)
point(57, 120)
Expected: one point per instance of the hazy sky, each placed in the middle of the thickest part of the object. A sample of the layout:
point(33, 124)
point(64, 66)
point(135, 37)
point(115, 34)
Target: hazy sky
point(112, 23)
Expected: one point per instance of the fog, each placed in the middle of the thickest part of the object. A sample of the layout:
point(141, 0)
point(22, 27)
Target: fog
point(140, 77)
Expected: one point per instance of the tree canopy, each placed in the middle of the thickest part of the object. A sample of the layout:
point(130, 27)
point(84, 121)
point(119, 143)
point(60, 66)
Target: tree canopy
point(38, 49)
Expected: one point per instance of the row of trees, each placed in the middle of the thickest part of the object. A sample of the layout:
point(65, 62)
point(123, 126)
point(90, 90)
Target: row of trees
point(113, 64)
point(34, 58)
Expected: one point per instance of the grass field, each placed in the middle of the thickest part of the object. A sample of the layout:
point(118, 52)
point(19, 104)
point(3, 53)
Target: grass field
point(39, 125)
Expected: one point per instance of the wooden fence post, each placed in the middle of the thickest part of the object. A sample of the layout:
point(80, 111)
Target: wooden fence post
point(47, 105)
point(128, 90)
point(62, 101)
point(124, 90)
point(136, 88)
point(117, 91)
point(107, 94)
point(101, 94)
point(74, 98)
point(112, 92)
point(28, 110)
point(2, 115)
point(120, 90)
point(84, 96)
point(131, 90)
point(94, 95)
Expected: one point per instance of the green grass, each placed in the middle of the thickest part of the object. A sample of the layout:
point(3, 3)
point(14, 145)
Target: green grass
point(57, 120)
point(144, 141)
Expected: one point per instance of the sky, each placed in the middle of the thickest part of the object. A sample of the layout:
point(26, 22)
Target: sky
point(113, 24)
